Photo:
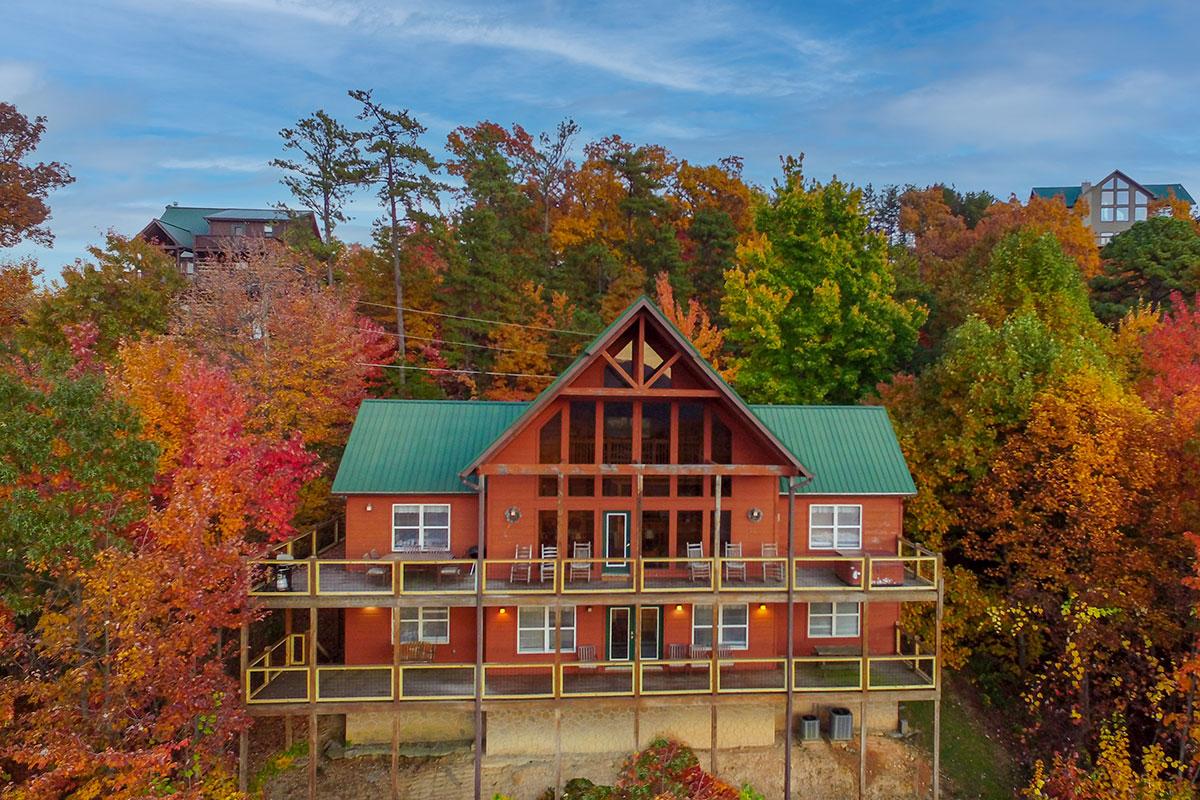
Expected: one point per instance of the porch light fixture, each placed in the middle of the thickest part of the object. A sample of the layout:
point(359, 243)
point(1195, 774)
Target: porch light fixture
point(762, 607)
point(512, 514)
point(503, 610)
point(679, 608)
point(754, 514)
point(368, 506)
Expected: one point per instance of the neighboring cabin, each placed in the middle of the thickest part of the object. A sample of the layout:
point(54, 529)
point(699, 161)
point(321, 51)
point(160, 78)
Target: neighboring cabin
point(636, 552)
point(1115, 202)
point(194, 235)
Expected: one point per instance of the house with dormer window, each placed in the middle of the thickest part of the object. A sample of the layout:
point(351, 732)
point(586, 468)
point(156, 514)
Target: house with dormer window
point(1115, 202)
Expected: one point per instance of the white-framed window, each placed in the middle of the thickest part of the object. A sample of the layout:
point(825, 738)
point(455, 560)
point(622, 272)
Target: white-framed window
point(836, 527)
point(421, 527)
point(268, 229)
point(733, 625)
point(833, 620)
point(535, 629)
point(430, 624)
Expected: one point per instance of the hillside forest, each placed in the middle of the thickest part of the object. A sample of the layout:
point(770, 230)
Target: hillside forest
point(157, 432)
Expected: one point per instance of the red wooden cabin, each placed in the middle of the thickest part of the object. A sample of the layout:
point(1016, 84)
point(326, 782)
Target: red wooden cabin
point(547, 572)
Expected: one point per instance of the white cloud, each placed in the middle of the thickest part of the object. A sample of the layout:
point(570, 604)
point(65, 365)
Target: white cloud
point(221, 163)
point(18, 81)
point(1036, 105)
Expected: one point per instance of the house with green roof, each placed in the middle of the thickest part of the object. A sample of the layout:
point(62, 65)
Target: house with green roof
point(1115, 202)
point(635, 551)
point(193, 234)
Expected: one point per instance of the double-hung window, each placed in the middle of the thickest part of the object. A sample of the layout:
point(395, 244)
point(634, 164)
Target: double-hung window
point(835, 527)
point(427, 624)
point(833, 620)
point(421, 527)
point(535, 629)
point(733, 625)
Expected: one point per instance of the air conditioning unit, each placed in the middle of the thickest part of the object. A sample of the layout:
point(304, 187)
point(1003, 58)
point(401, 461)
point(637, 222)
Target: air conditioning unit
point(810, 728)
point(841, 724)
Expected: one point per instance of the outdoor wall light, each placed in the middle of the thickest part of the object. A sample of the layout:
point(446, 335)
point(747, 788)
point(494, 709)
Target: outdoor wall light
point(762, 607)
point(754, 514)
point(679, 608)
point(512, 514)
point(503, 611)
point(368, 506)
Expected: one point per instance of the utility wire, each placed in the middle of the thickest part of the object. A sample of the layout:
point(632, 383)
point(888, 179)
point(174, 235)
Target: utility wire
point(434, 339)
point(459, 371)
point(477, 319)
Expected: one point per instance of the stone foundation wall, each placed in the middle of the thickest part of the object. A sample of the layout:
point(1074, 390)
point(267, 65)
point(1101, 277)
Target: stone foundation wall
point(415, 726)
point(528, 729)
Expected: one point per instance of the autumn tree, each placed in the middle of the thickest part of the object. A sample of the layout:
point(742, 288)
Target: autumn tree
point(73, 472)
point(118, 670)
point(304, 356)
point(498, 250)
point(127, 289)
point(328, 168)
point(524, 350)
point(551, 168)
point(25, 186)
point(1145, 264)
point(810, 305)
point(402, 171)
point(694, 323)
point(18, 293)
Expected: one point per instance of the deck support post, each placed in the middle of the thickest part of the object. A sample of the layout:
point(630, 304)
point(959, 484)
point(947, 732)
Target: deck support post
point(865, 674)
point(557, 751)
point(937, 747)
point(862, 749)
point(287, 732)
point(789, 666)
point(313, 743)
point(714, 675)
point(314, 750)
point(480, 577)
point(395, 754)
point(244, 736)
point(937, 683)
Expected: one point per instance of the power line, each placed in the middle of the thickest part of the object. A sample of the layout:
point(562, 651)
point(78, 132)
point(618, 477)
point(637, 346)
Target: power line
point(459, 371)
point(434, 339)
point(477, 319)
point(462, 344)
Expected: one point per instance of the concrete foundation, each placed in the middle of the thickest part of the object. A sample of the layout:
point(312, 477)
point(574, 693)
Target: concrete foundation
point(528, 730)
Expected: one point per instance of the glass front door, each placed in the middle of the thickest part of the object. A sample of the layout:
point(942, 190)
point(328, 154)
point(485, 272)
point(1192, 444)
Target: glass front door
point(616, 542)
point(620, 633)
point(651, 639)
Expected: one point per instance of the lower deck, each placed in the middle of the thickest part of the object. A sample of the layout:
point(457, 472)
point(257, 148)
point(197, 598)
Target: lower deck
point(424, 682)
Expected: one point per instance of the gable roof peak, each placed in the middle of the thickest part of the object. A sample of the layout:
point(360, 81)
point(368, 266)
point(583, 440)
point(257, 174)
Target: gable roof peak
point(610, 334)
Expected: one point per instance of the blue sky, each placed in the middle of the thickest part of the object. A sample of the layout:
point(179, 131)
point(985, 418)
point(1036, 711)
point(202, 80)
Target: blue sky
point(154, 102)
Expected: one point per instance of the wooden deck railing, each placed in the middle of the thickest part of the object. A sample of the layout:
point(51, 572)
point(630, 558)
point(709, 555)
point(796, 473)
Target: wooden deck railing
point(423, 682)
point(914, 570)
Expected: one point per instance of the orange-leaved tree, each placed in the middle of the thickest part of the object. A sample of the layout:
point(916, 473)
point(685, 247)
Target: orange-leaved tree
point(304, 356)
point(695, 324)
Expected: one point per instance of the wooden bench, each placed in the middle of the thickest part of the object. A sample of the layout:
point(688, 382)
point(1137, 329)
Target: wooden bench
point(417, 652)
point(837, 651)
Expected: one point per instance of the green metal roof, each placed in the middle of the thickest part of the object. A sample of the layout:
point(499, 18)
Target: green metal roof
point(420, 446)
point(1070, 193)
point(849, 449)
point(255, 214)
point(184, 223)
point(188, 218)
point(1161, 190)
